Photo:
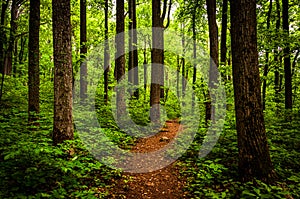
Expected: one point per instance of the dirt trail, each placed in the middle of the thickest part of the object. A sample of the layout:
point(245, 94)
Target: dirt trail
point(161, 184)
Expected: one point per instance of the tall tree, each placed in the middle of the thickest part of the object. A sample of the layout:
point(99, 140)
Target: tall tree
point(83, 51)
point(12, 36)
point(213, 49)
point(287, 58)
point(254, 157)
point(266, 67)
point(277, 57)
point(63, 127)
point(120, 59)
point(157, 55)
point(133, 53)
point(2, 42)
point(157, 70)
point(33, 61)
point(224, 32)
point(106, 53)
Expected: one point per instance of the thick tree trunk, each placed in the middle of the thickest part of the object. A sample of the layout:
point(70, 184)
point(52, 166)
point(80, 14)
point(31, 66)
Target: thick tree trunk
point(106, 53)
point(83, 51)
point(33, 61)
point(63, 127)
point(120, 59)
point(254, 157)
point(287, 58)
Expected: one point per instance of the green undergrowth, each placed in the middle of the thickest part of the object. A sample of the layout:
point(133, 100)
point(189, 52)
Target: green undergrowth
point(215, 175)
point(31, 167)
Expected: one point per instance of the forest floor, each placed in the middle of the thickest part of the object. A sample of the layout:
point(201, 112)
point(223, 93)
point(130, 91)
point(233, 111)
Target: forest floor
point(165, 183)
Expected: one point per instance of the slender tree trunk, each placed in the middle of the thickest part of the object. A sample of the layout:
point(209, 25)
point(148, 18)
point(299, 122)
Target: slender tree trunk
point(157, 70)
point(224, 32)
point(2, 41)
point(194, 54)
point(13, 29)
point(183, 61)
point(213, 40)
point(63, 127)
point(287, 58)
point(83, 51)
point(120, 59)
point(277, 58)
point(133, 53)
point(3, 34)
point(266, 68)
point(254, 157)
point(177, 76)
point(33, 61)
point(106, 54)
point(145, 67)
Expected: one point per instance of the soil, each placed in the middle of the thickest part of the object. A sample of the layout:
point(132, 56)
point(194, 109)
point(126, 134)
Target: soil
point(165, 183)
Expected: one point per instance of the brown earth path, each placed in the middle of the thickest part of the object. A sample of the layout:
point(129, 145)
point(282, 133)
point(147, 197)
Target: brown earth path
point(165, 183)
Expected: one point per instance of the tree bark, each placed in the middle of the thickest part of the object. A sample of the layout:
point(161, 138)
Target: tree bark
point(224, 32)
point(287, 58)
point(83, 51)
point(3, 37)
point(266, 67)
point(33, 61)
point(254, 157)
point(63, 127)
point(12, 35)
point(157, 70)
point(277, 57)
point(133, 53)
point(120, 59)
point(213, 40)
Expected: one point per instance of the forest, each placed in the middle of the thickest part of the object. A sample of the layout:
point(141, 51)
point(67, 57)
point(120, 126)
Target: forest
point(142, 99)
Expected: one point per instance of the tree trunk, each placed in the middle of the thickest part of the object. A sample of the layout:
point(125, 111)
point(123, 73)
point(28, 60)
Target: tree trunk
point(194, 54)
point(145, 67)
point(83, 51)
point(157, 70)
point(254, 157)
point(106, 54)
point(120, 59)
point(287, 58)
point(224, 32)
point(63, 127)
point(183, 61)
point(12, 35)
point(133, 53)
point(3, 36)
point(213, 40)
point(33, 61)
point(277, 58)
point(266, 68)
